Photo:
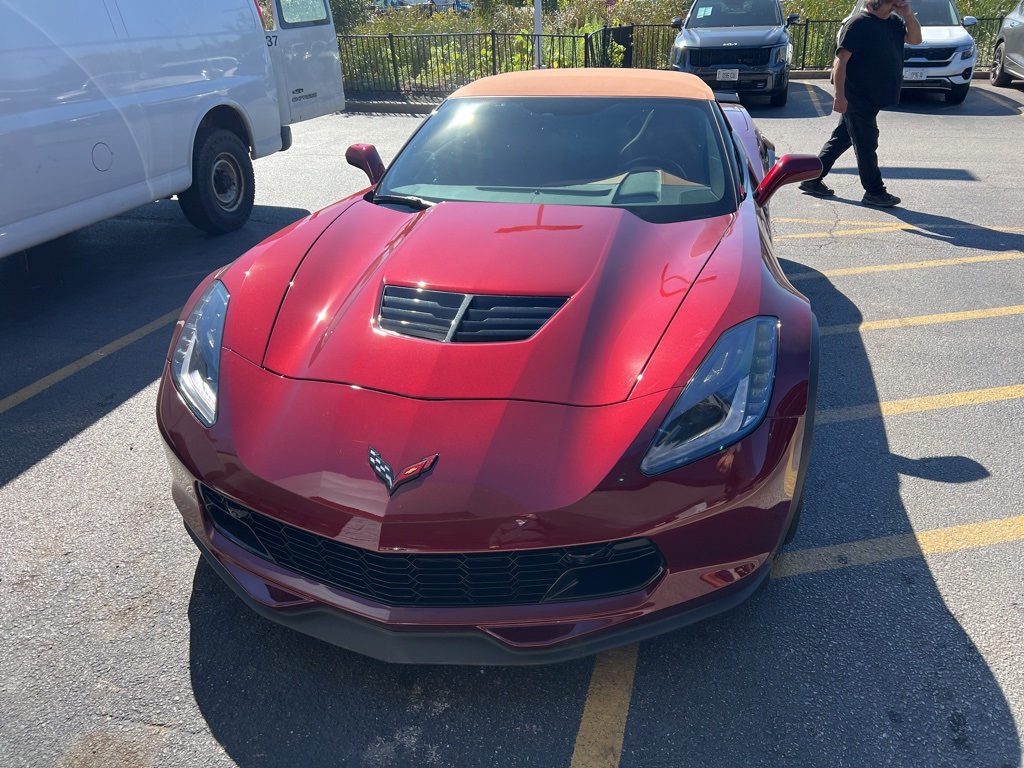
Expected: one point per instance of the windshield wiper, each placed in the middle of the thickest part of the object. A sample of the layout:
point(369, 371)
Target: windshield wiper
point(417, 203)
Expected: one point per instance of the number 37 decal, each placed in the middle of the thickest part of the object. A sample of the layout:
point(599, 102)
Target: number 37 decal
point(271, 41)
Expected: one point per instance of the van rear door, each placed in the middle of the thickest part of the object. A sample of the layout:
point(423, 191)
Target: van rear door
point(307, 67)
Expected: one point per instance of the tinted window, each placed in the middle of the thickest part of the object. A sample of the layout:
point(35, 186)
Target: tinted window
point(935, 13)
point(734, 13)
point(662, 159)
point(302, 12)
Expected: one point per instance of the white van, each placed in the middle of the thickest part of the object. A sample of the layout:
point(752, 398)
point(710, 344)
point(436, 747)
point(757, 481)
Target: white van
point(106, 105)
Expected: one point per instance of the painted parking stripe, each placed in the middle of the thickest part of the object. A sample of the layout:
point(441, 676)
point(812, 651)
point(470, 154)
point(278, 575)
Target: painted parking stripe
point(875, 227)
point(815, 100)
point(899, 266)
point(888, 548)
point(603, 727)
point(920, 404)
point(84, 362)
point(612, 678)
point(910, 322)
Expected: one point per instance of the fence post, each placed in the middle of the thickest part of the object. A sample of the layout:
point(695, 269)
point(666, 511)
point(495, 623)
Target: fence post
point(803, 53)
point(494, 52)
point(394, 61)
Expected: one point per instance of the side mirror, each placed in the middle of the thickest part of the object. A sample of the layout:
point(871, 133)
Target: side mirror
point(677, 22)
point(793, 18)
point(366, 158)
point(788, 169)
point(970, 21)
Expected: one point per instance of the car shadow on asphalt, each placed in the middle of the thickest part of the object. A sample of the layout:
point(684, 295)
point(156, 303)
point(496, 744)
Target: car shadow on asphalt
point(979, 103)
point(854, 666)
point(931, 226)
point(862, 665)
point(801, 104)
point(62, 301)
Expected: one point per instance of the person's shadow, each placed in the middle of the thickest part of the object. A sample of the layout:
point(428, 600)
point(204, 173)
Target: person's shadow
point(861, 665)
point(858, 666)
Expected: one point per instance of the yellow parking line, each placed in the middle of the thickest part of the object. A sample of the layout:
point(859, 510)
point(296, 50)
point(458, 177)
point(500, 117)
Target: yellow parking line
point(611, 684)
point(987, 257)
point(815, 100)
point(920, 404)
point(603, 726)
point(908, 322)
point(889, 548)
point(84, 362)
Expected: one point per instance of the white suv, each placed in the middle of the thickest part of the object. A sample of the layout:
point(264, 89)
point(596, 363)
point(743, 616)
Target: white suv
point(945, 59)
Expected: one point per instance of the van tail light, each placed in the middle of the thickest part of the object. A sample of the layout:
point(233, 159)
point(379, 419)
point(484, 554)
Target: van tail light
point(259, 10)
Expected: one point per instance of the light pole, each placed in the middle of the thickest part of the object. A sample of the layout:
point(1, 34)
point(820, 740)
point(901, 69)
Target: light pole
point(536, 34)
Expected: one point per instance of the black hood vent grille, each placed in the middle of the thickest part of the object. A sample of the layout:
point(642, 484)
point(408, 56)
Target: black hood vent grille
point(464, 317)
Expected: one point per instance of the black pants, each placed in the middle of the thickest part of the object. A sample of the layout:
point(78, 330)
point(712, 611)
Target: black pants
point(858, 128)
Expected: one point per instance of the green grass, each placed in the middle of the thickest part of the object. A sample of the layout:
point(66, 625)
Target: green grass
point(576, 16)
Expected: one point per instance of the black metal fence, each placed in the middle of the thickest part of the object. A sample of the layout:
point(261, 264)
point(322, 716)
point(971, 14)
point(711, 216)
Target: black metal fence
point(380, 67)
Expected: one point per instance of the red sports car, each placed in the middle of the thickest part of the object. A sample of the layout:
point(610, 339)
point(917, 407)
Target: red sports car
point(541, 390)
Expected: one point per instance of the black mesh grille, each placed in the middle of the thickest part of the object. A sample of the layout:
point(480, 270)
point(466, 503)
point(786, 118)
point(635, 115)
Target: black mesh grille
point(929, 54)
point(713, 57)
point(519, 577)
point(459, 317)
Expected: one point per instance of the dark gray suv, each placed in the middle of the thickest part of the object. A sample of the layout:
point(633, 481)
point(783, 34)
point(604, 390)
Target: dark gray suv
point(737, 45)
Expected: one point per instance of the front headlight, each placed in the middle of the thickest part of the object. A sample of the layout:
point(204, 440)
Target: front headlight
point(195, 365)
point(679, 53)
point(725, 401)
point(780, 54)
point(968, 52)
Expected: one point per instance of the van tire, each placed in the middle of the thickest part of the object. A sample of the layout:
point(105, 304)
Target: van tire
point(223, 184)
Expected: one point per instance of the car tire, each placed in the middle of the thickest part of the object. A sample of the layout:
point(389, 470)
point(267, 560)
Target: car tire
point(779, 99)
point(223, 184)
point(958, 94)
point(998, 74)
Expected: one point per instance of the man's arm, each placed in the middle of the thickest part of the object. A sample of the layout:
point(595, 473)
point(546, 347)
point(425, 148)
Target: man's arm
point(839, 79)
point(913, 35)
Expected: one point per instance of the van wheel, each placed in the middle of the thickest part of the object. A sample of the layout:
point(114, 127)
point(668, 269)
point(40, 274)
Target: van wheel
point(779, 99)
point(998, 74)
point(223, 185)
point(958, 94)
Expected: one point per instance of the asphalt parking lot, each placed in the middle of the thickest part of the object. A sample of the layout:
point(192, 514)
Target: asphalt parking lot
point(889, 635)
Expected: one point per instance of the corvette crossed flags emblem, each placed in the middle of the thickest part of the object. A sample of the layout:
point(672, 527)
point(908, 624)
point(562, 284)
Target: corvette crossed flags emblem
point(386, 474)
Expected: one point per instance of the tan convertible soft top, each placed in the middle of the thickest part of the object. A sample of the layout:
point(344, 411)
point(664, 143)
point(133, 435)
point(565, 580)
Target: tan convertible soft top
point(619, 83)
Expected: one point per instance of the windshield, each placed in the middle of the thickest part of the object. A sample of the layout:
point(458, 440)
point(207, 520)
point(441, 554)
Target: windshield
point(734, 13)
point(935, 13)
point(661, 159)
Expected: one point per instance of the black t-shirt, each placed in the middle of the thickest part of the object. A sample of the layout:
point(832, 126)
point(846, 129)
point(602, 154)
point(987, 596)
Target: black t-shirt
point(874, 71)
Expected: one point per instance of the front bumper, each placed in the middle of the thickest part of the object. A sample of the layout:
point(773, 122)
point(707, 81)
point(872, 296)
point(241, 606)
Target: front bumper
point(717, 541)
point(948, 77)
point(765, 81)
point(445, 645)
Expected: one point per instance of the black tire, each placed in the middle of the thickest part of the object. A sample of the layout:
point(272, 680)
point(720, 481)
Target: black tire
point(779, 99)
point(998, 74)
point(223, 185)
point(958, 94)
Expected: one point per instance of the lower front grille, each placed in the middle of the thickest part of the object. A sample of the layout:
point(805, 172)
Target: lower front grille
point(517, 577)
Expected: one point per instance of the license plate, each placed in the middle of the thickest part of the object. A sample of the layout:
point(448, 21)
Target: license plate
point(731, 75)
point(914, 74)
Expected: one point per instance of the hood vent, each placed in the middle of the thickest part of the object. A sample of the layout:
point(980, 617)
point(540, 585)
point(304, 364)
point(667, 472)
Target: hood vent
point(464, 317)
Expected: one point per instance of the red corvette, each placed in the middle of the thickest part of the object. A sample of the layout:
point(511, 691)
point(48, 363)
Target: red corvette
point(541, 390)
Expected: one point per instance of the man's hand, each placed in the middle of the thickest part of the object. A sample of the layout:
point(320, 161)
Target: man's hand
point(839, 104)
point(902, 9)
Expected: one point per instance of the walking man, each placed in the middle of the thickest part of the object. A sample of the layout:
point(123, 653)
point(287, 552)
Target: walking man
point(868, 75)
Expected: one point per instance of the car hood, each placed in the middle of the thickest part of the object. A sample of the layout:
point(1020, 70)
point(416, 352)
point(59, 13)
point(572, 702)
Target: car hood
point(943, 36)
point(739, 37)
point(624, 279)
